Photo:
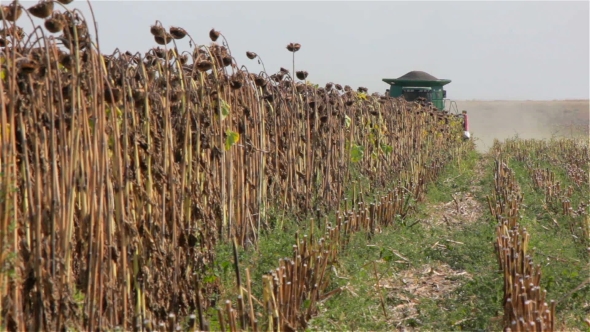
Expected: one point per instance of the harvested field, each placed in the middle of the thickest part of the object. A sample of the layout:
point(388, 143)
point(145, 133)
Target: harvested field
point(433, 282)
point(171, 189)
point(491, 120)
point(463, 208)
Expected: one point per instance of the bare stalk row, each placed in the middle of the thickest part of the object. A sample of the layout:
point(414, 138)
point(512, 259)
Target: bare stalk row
point(568, 199)
point(567, 154)
point(293, 290)
point(525, 303)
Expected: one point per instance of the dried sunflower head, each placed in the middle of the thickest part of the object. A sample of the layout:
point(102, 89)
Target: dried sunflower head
point(226, 60)
point(204, 65)
point(113, 95)
point(260, 81)
point(301, 74)
point(43, 9)
point(251, 55)
point(157, 31)
point(293, 47)
point(55, 24)
point(235, 84)
point(28, 66)
point(213, 34)
point(12, 12)
point(163, 40)
point(177, 33)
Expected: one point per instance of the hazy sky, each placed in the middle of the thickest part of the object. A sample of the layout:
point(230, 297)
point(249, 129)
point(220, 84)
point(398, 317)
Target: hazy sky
point(490, 50)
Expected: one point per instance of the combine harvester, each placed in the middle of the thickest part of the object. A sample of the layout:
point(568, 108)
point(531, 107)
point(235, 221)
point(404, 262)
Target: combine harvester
point(420, 85)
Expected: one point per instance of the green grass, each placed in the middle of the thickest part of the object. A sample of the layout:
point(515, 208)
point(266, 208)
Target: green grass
point(470, 306)
point(272, 246)
point(563, 258)
point(475, 302)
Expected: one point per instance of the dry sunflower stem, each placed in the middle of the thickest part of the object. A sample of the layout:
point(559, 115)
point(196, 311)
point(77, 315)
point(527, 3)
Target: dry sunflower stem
point(525, 306)
point(135, 166)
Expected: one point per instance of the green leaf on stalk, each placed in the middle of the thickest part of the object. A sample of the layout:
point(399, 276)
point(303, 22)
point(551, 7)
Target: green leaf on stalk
point(347, 121)
point(356, 153)
point(231, 138)
point(387, 149)
point(225, 109)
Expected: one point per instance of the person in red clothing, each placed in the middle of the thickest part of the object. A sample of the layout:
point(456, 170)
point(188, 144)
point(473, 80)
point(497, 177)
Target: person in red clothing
point(466, 134)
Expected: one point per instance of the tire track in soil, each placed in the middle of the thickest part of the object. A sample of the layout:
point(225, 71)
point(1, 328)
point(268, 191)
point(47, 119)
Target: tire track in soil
point(436, 281)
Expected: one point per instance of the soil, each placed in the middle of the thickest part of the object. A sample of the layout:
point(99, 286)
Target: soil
point(437, 280)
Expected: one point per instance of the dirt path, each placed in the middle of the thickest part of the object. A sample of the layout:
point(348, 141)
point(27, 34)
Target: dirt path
point(428, 276)
point(463, 207)
point(436, 281)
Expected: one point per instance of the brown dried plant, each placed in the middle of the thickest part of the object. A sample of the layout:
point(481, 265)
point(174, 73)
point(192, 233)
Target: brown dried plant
point(293, 47)
point(121, 172)
point(213, 34)
point(43, 9)
point(12, 12)
point(177, 33)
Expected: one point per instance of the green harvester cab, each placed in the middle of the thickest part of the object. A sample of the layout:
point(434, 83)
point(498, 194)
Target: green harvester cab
point(417, 84)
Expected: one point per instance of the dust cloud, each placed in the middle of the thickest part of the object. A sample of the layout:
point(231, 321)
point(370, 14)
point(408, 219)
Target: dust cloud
point(489, 120)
